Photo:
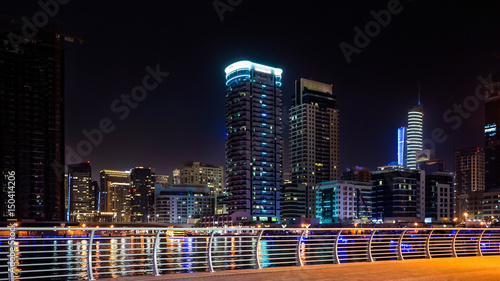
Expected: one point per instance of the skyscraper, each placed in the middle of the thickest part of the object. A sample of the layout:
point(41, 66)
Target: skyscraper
point(469, 170)
point(79, 190)
point(314, 137)
point(469, 176)
point(142, 186)
point(491, 134)
point(414, 135)
point(254, 140)
point(116, 195)
point(401, 153)
point(32, 124)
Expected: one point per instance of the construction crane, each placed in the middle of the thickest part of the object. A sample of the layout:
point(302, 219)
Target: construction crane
point(66, 37)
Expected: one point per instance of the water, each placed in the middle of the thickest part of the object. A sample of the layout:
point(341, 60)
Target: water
point(59, 257)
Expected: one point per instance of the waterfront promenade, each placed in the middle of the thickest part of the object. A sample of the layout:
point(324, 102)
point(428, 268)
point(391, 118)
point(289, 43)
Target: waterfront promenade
point(466, 268)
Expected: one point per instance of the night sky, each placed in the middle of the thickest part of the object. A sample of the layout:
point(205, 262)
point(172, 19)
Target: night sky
point(443, 45)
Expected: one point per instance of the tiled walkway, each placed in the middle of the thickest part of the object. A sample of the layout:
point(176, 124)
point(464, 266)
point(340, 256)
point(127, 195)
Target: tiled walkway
point(467, 268)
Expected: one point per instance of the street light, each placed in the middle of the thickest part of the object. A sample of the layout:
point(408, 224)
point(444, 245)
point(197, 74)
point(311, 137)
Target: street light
point(465, 216)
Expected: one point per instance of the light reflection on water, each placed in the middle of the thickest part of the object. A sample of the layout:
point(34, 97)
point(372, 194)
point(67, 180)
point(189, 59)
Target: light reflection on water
point(112, 256)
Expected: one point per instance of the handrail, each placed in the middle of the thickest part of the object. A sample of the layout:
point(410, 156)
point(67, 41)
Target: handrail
point(124, 251)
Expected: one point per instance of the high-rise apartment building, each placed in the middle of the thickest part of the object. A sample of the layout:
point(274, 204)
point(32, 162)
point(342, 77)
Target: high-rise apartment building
point(254, 140)
point(314, 137)
point(32, 124)
point(469, 170)
point(142, 186)
point(492, 134)
point(469, 176)
point(203, 174)
point(116, 195)
point(80, 195)
point(414, 135)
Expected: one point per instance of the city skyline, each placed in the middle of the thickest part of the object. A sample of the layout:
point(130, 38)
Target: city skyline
point(109, 65)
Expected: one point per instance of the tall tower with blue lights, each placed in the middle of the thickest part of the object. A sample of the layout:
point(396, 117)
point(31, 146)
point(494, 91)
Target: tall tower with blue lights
point(401, 146)
point(414, 135)
point(254, 140)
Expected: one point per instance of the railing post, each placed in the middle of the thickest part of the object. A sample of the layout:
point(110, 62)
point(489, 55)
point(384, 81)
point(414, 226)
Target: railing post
point(369, 247)
point(479, 251)
point(336, 259)
point(453, 248)
point(156, 248)
point(257, 250)
point(428, 245)
point(400, 250)
point(299, 261)
point(90, 270)
point(209, 252)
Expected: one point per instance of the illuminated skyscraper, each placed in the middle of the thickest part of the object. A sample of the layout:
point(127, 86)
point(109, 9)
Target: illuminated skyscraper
point(116, 195)
point(254, 140)
point(401, 146)
point(79, 190)
point(314, 137)
point(414, 135)
point(491, 134)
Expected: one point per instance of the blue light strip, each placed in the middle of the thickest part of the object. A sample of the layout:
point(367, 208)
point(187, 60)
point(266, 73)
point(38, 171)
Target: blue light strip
point(69, 196)
point(401, 145)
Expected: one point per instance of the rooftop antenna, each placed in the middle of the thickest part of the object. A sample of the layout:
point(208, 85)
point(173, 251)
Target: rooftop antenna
point(418, 92)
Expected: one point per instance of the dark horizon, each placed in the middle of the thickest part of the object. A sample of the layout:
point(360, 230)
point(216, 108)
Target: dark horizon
point(445, 47)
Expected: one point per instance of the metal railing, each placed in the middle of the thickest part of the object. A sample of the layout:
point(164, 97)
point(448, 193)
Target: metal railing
point(93, 253)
